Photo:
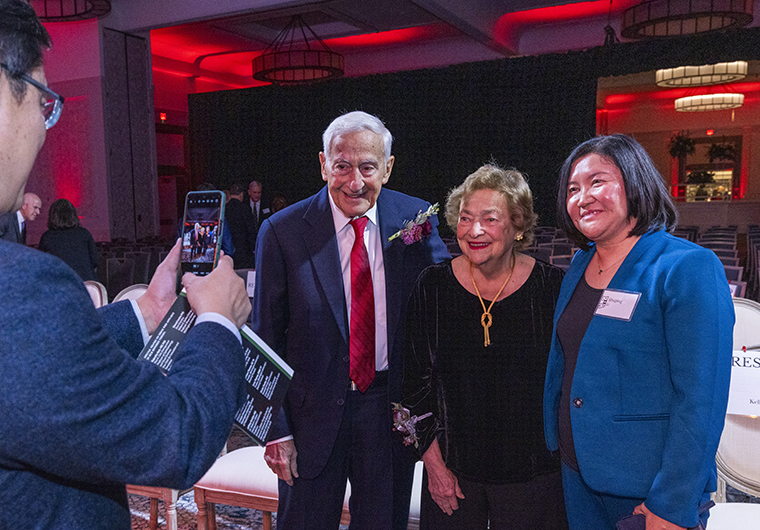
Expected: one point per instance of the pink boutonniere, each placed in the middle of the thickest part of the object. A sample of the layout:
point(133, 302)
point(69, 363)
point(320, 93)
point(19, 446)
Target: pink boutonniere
point(418, 228)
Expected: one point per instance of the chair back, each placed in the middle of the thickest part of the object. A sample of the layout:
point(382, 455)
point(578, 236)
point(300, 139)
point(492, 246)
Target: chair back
point(738, 289)
point(741, 434)
point(133, 292)
point(142, 266)
point(120, 273)
point(97, 292)
point(733, 274)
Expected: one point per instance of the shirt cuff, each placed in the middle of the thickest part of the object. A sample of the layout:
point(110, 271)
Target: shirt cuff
point(220, 319)
point(280, 440)
point(141, 320)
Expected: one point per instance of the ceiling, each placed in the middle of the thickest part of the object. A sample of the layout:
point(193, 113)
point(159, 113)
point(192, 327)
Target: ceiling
point(218, 40)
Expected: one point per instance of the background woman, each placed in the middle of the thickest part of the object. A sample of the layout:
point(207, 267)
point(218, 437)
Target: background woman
point(68, 241)
point(637, 382)
point(478, 341)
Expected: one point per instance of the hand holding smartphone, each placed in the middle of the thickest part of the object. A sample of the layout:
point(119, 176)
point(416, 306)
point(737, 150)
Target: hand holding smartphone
point(202, 226)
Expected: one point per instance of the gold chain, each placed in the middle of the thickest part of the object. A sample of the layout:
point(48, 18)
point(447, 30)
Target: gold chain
point(486, 319)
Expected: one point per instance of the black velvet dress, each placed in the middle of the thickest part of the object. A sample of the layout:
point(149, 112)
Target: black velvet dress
point(486, 401)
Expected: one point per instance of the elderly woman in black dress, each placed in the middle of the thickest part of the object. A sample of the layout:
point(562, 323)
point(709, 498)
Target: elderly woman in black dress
point(479, 336)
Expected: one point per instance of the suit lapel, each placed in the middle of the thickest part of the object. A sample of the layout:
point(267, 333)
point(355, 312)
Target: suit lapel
point(322, 246)
point(393, 262)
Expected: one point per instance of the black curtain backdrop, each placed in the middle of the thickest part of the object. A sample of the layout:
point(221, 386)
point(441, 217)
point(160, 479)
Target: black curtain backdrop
point(525, 112)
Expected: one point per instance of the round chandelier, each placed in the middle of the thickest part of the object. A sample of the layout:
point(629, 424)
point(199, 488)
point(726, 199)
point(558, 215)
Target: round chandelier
point(291, 59)
point(670, 18)
point(709, 102)
point(69, 10)
point(708, 74)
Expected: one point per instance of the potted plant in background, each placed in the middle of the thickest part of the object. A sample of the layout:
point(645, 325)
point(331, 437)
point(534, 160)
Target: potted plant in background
point(681, 145)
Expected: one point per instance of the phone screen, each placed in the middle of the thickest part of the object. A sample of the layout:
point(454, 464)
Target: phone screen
point(202, 227)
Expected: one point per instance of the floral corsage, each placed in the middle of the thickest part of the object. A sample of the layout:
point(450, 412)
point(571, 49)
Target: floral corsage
point(418, 228)
point(404, 423)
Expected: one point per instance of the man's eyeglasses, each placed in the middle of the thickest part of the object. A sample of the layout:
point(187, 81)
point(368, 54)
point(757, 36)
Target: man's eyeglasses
point(53, 106)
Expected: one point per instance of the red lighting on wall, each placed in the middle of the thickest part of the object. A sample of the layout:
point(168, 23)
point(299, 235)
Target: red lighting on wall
point(162, 117)
point(710, 132)
point(509, 27)
point(396, 36)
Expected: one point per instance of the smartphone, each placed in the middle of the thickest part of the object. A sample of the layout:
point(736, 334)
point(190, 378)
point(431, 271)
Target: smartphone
point(202, 226)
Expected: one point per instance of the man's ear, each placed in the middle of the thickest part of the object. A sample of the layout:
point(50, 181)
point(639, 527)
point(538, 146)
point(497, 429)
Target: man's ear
point(388, 168)
point(322, 162)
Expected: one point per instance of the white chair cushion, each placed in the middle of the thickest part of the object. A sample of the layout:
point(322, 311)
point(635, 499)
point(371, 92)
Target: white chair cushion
point(734, 516)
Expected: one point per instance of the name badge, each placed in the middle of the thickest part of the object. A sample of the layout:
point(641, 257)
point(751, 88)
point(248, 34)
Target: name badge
point(617, 304)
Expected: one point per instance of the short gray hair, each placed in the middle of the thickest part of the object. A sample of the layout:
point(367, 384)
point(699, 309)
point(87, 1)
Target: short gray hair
point(354, 122)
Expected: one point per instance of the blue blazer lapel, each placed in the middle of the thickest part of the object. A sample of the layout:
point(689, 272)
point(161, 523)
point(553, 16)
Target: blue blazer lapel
point(323, 251)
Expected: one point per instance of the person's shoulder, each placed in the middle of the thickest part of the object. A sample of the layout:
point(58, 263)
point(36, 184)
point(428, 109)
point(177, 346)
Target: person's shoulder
point(20, 261)
point(547, 270)
point(436, 273)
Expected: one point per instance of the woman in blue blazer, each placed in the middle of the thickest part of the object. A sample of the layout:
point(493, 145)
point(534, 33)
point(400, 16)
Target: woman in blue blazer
point(637, 379)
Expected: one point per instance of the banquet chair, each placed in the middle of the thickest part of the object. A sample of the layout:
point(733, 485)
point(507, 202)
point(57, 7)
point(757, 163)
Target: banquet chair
point(740, 439)
point(97, 292)
point(120, 273)
point(734, 262)
point(725, 253)
point(734, 274)
point(739, 289)
point(540, 253)
point(133, 292)
point(142, 266)
point(242, 478)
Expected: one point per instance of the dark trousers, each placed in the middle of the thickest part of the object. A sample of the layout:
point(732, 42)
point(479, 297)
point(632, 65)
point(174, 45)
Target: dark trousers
point(362, 454)
point(533, 505)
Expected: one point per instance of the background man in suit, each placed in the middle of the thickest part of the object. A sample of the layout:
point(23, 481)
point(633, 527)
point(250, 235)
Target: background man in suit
point(13, 224)
point(258, 210)
point(81, 417)
point(337, 418)
point(241, 227)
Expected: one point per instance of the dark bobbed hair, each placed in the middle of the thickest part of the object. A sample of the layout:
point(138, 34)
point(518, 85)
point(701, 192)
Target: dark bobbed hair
point(647, 196)
point(237, 188)
point(511, 184)
point(62, 215)
point(22, 40)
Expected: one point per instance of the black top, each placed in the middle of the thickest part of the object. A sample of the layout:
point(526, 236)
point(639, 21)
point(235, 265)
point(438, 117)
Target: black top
point(487, 402)
point(571, 328)
point(75, 246)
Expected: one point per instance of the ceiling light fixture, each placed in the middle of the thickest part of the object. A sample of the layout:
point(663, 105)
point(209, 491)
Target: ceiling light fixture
point(707, 102)
point(708, 74)
point(290, 59)
point(69, 10)
point(670, 18)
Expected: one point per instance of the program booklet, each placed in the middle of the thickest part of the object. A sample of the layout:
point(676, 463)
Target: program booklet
point(267, 376)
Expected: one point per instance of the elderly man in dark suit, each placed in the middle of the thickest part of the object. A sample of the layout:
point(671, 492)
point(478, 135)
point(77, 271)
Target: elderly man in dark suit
point(13, 224)
point(80, 416)
point(331, 292)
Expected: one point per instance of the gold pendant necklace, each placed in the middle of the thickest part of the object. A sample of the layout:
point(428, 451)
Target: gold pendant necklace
point(486, 319)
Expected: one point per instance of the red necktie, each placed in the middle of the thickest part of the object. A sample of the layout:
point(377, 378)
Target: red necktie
point(362, 334)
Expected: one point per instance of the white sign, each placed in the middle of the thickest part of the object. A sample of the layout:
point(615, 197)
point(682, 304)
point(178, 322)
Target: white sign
point(250, 283)
point(744, 394)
